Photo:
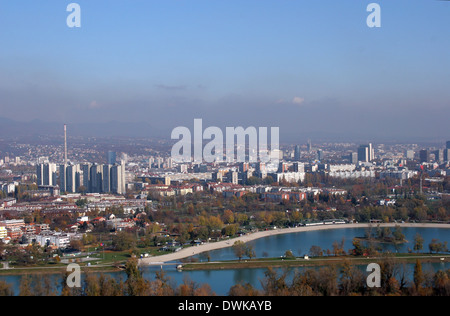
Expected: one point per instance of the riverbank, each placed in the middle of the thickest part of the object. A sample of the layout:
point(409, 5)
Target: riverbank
point(301, 262)
point(195, 250)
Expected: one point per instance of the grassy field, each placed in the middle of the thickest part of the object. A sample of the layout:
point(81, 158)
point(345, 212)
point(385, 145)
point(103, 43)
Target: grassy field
point(300, 262)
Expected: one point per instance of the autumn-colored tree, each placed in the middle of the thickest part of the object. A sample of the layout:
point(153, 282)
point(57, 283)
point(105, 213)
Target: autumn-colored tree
point(228, 217)
point(6, 289)
point(239, 249)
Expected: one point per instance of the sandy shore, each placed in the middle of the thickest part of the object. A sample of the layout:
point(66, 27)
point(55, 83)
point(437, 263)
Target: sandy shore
point(195, 250)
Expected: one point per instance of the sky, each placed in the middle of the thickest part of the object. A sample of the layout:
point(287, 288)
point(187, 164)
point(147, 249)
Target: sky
point(312, 68)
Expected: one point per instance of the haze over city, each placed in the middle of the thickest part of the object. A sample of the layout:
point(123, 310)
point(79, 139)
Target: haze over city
point(313, 69)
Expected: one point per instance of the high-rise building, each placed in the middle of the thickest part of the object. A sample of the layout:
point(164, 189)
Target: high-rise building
point(354, 158)
point(447, 145)
point(151, 161)
point(410, 154)
point(46, 174)
point(106, 180)
point(244, 166)
point(111, 157)
point(298, 167)
point(118, 184)
point(159, 162)
point(95, 183)
point(261, 170)
point(233, 177)
point(366, 153)
point(446, 154)
point(283, 167)
point(71, 178)
point(320, 154)
point(62, 178)
point(85, 170)
point(363, 154)
point(297, 152)
point(424, 155)
point(169, 163)
point(439, 155)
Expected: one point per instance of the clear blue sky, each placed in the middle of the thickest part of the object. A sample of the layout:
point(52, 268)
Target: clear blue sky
point(306, 66)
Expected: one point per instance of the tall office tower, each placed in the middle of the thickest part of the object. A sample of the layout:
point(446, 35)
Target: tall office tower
point(111, 157)
point(366, 153)
point(297, 152)
point(95, 178)
point(106, 183)
point(363, 153)
point(424, 155)
point(309, 145)
point(62, 178)
point(447, 145)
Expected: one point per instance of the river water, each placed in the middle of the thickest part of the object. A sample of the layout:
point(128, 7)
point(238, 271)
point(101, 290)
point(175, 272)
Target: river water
point(275, 246)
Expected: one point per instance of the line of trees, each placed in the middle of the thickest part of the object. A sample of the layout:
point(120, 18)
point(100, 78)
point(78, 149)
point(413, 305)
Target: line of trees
point(335, 280)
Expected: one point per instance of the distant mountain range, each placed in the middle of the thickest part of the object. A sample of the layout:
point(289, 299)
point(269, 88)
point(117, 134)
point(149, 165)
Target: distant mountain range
point(11, 128)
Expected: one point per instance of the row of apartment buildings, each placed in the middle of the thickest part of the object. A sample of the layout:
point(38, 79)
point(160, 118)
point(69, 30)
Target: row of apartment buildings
point(93, 178)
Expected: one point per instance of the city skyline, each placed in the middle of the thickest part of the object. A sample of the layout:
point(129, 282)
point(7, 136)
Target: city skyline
point(315, 70)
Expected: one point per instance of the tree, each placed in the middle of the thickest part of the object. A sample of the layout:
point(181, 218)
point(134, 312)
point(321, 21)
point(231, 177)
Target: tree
point(239, 249)
point(316, 251)
point(352, 280)
point(243, 290)
point(437, 246)
point(135, 285)
point(289, 255)
point(76, 244)
point(418, 242)
point(358, 249)
point(123, 241)
point(228, 217)
point(419, 277)
point(249, 252)
point(398, 234)
point(6, 289)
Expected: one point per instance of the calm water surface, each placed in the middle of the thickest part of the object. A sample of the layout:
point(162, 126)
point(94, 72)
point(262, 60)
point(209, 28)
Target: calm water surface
point(274, 246)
